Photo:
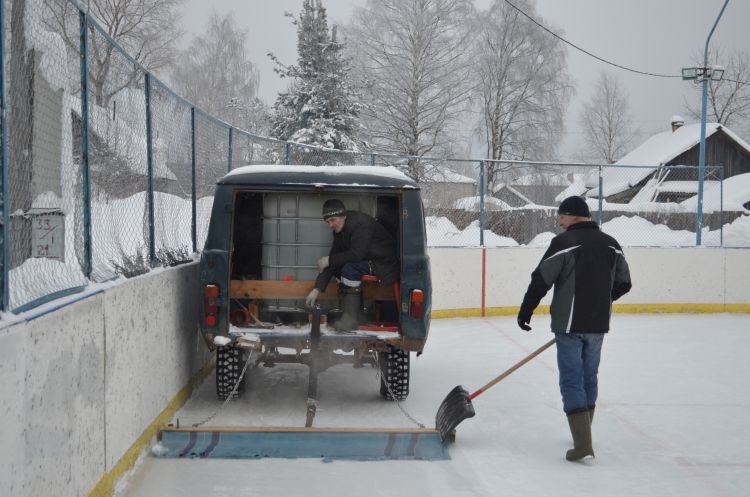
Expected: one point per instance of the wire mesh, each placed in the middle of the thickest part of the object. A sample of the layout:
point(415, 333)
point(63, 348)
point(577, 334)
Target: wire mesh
point(211, 163)
point(50, 138)
point(118, 161)
point(44, 187)
point(172, 159)
point(248, 149)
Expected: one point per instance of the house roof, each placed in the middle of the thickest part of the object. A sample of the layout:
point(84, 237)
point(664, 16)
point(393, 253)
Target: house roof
point(441, 174)
point(654, 152)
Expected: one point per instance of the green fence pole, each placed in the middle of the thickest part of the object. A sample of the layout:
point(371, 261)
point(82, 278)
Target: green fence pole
point(229, 152)
point(194, 223)
point(150, 162)
point(4, 287)
point(85, 171)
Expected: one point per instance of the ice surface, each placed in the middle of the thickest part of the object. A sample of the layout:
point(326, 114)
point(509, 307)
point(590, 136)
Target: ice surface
point(671, 419)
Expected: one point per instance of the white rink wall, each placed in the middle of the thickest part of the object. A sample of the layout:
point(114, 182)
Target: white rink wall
point(83, 387)
point(81, 384)
point(664, 280)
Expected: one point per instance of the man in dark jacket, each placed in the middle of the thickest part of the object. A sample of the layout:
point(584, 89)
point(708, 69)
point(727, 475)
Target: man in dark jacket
point(589, 271)
point(361, 245)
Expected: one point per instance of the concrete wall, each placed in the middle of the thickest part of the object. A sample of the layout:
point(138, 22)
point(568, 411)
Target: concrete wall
point(664, 279)
point(81, 384)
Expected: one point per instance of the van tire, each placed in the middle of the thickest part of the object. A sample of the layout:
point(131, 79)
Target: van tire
point(394, 369)
point(228, 369)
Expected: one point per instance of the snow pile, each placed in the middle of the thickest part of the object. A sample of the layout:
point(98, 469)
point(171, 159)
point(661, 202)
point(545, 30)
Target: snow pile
point(471, 204)
point(441, 232)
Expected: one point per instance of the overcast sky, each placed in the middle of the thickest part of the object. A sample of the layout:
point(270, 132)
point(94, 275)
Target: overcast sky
point(651, 36)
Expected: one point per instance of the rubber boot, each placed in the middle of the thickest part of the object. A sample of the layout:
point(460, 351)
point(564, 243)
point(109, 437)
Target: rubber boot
point(351, 301)
point(580, 428)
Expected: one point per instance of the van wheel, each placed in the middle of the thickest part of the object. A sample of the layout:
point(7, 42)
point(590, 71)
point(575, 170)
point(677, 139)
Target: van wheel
point(228, 369)
point(394, 369)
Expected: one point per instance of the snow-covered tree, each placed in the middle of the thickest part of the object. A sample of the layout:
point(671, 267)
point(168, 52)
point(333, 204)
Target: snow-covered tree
point(607, 122)
point(728, 98)
point(411, 56)
point(319, 107)
point(146, 29)
point(523, 86)
point(216, 74)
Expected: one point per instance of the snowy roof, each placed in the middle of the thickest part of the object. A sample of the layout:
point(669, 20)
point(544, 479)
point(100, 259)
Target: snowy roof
point(374, 176)
point(442, 174)
point(545, 179)
point(512, 190)
point(656, 151)
point(735, 193)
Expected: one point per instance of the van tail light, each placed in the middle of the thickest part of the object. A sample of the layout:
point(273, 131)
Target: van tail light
point(416, 304)
point(210, 304)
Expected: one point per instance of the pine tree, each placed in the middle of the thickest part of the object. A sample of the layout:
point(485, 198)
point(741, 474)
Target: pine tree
point(319, 107)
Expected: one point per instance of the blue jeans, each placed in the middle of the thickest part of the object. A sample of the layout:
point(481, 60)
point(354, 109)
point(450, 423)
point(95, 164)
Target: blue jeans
point(351, 273)
point(578, 357)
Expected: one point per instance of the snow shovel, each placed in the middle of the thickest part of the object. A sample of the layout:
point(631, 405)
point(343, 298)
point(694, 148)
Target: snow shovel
point(457, 405)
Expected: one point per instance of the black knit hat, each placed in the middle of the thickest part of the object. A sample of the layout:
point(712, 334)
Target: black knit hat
point(574, 206)
point(333, 207)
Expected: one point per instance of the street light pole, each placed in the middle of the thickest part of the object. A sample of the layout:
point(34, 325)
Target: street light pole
point(702, 149)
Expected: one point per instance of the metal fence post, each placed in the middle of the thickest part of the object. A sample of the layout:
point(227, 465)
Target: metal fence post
point(150, 162)
point(194, 222)
point(372, 159)
point(481, 202)
point(4, 287)
point(85, 172)
point(601, 196)
point(288, 153)
point(229, 152)
point(721, 206)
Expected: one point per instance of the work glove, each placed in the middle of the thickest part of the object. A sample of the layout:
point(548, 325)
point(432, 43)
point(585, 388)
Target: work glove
point(524, 318)
point(323, 262)
point(312, 297)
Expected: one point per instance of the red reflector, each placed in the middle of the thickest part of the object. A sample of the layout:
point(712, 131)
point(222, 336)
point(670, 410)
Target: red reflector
point(416, 304)
point(211, 291)
point(211, 320)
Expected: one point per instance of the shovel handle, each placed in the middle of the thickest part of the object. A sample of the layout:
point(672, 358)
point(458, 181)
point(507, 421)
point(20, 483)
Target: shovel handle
point(513, 368)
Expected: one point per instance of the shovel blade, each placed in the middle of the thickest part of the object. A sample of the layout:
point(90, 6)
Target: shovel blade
point(455, 408)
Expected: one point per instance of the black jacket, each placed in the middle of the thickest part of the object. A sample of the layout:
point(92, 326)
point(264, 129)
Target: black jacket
point(362, 239)
point(589, 271)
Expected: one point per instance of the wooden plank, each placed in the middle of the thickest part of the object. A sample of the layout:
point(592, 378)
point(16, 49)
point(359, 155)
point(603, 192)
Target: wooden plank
point(292, 290)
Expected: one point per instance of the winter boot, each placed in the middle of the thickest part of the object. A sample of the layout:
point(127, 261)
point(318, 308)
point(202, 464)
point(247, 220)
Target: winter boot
point(580, 428)
point(351, 302)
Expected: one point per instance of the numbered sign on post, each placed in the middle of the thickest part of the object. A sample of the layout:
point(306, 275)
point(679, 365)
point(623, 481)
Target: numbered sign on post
point(48, 236)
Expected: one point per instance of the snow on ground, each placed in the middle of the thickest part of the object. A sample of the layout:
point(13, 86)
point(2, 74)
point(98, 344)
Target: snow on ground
point(671, 419)
point(630, 231)
point(441, 232)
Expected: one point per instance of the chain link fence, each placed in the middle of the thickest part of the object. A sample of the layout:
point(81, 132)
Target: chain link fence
point(107, 172)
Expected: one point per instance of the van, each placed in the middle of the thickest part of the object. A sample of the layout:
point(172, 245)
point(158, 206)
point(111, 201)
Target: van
point(265, 236)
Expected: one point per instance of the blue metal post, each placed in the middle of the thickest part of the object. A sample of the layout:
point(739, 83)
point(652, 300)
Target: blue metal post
point(150, 162)
point(601, 195)
point(702, 150)
point(288, 153)
point(481, 203)
point(193, 224)
point(229, 152)
point(4, 287)
point(85, 172)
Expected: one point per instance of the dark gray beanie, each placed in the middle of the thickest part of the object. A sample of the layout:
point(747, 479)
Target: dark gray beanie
point(574, 206)
point(333, 207)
